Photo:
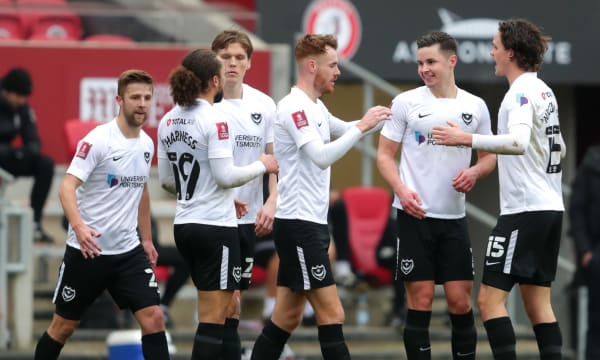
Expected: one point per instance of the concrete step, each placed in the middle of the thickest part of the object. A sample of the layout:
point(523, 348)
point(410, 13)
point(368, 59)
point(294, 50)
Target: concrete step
point(377, 343)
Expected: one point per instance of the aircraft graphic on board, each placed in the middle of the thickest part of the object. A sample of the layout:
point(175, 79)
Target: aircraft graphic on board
point(475, 28)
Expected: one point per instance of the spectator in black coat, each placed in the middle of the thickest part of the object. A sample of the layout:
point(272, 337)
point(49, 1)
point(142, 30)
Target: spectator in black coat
point(18, 119)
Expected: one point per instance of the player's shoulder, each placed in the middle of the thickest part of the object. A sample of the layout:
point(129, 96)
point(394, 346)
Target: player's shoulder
point(102, 132)
point(408, 98)
point(411, 95)
point(258, 97)
point(467, 96)
point(146, 138)
point(293, 100)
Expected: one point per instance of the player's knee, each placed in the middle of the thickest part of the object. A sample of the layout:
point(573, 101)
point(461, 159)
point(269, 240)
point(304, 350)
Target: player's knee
point(151, 319)
point(459, 305)
point(421, 301)
point(334, 316)
point(62, 331)
point(288, 319)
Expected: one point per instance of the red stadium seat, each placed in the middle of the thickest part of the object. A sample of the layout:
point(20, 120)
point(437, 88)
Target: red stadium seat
point(41, 2)
point(368, 210)
point(11, 27)
point(65, 26)
point(259, 275)
point(75, 130)
point(162, 273)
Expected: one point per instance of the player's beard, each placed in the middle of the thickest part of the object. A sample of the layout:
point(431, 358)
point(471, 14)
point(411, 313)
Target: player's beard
point(133, 119)
point(324, 84)
point(218, 96)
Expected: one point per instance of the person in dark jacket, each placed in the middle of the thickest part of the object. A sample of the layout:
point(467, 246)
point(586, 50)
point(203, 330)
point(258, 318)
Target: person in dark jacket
point(584, 213)
point(18, 119)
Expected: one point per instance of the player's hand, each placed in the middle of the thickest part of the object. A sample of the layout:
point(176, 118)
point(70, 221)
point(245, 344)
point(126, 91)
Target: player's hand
point(86, 237)
point(151, 252)
point(465, 180)
point(411, 203)
point(264, 219)
point(450, 135)
point(374, 116)
point(241, 208)
point(270, 163)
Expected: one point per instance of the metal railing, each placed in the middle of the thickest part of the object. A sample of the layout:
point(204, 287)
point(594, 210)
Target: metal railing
point(15, 264)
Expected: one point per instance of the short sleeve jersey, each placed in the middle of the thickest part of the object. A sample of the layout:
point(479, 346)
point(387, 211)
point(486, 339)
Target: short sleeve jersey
point(532, 181)
point(428, 168)
point(303, 187)
point(250, 122)
point(188, 137)
point(114, 170)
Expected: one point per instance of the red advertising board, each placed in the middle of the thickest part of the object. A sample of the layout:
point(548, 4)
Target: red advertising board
point(73, 81)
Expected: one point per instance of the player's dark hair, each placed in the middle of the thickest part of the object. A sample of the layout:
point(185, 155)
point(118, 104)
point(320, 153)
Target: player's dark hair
point(193, 75)
point(228, 37)
point(526, 40)
point(132, 76)
point(446, 41)
point(313, 44)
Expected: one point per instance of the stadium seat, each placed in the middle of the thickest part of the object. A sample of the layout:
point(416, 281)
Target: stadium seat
point(259, 275)
point(75, 130)
point(368, 210)
point(65, 26)
point(41, 2)
point(11, 27)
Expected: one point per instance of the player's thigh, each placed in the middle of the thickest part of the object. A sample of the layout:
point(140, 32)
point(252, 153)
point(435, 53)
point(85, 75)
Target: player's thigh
point(212, 254)
point(247, 239)
point(327, 305)
point(134, 283)
point(80, 282)
point(303, 251)
point(454, 255)
point(416, 249)
point(212, 305)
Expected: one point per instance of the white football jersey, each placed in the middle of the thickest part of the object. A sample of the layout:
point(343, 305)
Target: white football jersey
point(188, 137)
point(114, 170)
point(428, 168)
point(250, 122)
point(532, 181)
point(303, 188)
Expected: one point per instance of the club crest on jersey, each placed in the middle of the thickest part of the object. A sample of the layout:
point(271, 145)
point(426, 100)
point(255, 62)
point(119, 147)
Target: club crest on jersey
point(407, 266)
point(237, 273)
point(147, 156)
point(68, 293)
point(467, 118)
point(256, 117)
point(300, 119)
point(318, 272)
point(222, 131)
point(84, 149)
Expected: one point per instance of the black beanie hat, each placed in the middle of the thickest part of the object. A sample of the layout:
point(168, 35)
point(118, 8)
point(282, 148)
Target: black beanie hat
point(18, 81)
